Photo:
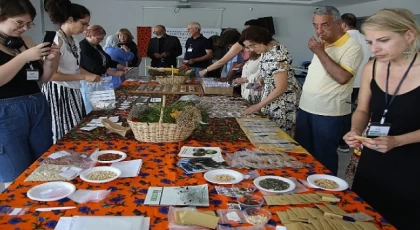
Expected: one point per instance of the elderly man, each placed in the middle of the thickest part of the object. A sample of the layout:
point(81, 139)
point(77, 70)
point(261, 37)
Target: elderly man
point(198, 49)
point(325, 102)
point(164, 48)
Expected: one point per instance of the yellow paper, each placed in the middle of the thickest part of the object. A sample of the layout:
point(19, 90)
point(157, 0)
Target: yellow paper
point(294, 226)
point(336, 210)
point(315, 213)
point(284, 218)
point(199, 219)
point(328, 197)
point(367, 225)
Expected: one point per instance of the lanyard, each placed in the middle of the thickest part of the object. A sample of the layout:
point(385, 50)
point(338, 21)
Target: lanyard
point(396, 90)
point(71, 47)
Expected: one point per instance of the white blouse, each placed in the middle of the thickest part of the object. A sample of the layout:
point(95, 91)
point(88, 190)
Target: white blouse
point(251, 71)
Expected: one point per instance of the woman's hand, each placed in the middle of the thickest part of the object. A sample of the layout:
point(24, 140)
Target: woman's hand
point(203, 73)
point(350, 139)
point(92, 78)
point(252, 109)
point(240, 80)
point(125, 48)
point(381, 144)
point(37, 52)
point(54, 53)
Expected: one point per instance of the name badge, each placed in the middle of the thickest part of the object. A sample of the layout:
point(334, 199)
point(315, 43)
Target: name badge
point(378, 130)
point(32, 75)
point(189, 49)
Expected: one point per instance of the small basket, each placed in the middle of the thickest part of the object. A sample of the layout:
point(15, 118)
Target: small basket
point(159, 132)
point(171, 80)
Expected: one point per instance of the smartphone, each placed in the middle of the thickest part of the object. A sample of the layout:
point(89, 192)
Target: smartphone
point(49, 36)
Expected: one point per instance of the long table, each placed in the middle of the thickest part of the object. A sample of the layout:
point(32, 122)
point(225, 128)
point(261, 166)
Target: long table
point(159, 169)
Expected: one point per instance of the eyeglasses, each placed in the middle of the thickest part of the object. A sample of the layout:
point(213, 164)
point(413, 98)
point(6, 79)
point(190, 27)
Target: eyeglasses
point(21, 24)
point(84, 23)
point(250, 46)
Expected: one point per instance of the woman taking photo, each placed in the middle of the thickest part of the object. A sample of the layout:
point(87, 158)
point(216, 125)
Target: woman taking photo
point(63, 91)
point(126, 41)
point(388, 109)
point(280, 89)
point(25, 122)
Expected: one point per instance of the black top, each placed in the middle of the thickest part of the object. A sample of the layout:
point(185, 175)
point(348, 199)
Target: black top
point(19, 86)
point(199, 47)
point(91, 60)
point(133, 49)
point(387, 180)
point(168, 44)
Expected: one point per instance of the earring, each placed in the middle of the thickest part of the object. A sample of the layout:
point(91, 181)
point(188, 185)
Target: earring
point(406, 54)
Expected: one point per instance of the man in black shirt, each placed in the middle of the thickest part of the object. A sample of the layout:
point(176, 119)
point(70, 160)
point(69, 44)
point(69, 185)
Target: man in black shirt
point(163, 49)
point(198, 49)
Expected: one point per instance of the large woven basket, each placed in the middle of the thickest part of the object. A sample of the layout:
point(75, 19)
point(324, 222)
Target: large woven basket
point(171, 80)
point(159, 132)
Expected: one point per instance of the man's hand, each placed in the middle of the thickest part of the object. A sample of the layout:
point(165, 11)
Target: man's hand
point(157, 55)
point(315, 46)
point(191, 61)
point(165, 54)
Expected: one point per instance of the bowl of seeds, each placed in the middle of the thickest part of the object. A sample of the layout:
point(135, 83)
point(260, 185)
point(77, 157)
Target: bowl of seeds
point(108, 156)
point(257, 216)
point(101, 174)
point(274, 184)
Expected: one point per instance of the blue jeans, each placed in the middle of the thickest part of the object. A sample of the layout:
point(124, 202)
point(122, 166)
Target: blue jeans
point(25, 133)
point(321, 135)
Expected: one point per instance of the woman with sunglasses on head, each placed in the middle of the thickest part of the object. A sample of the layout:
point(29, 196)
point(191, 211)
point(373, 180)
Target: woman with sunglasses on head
point(25, 122)
point(63, 91)
point(94, 59)
point(388, 114)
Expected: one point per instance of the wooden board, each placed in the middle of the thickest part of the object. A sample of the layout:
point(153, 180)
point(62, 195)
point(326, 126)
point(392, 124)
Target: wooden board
point(168, 89)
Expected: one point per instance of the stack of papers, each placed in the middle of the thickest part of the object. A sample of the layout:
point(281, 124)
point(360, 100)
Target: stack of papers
point(94, 123)
point(103, 223)
point(128, 168)
point(180, 196)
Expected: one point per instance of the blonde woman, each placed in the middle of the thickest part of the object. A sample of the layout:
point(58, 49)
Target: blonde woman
point(387, 175)
point(126, 41)
point(250, 74)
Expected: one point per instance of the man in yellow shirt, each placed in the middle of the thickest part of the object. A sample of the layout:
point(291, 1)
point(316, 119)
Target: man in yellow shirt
point(325, 104)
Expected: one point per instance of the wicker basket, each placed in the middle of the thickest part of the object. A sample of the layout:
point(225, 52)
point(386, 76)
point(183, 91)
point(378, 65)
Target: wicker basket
point(171, 80)
point(159, 132)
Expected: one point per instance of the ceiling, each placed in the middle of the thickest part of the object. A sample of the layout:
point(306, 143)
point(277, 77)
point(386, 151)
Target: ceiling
point(337, 3)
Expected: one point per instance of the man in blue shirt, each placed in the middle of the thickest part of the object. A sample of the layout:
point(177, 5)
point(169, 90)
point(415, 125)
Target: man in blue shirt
point(198, 49)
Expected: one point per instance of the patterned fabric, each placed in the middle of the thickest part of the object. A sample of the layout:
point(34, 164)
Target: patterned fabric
point(159, 169)
point(144, 35)
point(66, 107)
point(283, 109)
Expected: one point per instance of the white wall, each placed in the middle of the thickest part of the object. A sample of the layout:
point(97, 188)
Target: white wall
point(369, 8)
point(293, 23)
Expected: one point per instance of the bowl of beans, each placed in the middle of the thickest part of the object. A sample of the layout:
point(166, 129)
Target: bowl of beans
point(274, 184)
point(108, 156)
point(101, 174)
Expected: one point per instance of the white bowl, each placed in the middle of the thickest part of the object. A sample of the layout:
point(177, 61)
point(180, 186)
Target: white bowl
point(51, 191)
point(210, 176)
point(84, 175)
point(342, 184)
point(94, 156)
point(292, 184)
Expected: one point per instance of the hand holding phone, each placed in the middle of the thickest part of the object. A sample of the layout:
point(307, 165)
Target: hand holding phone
point(49, 36)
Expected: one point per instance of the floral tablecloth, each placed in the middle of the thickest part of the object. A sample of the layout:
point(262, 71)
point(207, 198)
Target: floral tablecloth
point(159, 169)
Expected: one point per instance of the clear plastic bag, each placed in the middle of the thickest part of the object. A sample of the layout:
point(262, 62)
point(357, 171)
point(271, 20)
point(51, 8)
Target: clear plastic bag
point(231, 216)
point(83, 196)
point(101, 94)
point(79, 160)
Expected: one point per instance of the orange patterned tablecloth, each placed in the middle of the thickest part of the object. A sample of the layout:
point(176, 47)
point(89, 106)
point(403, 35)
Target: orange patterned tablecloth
point(159, 169)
